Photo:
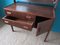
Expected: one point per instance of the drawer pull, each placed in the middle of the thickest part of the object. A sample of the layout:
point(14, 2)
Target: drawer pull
point(28, 17)
point(6, 21)
point(25, 27)
point(8, 12)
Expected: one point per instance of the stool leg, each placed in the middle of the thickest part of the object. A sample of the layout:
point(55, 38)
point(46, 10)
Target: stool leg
point(12, 28)
point(45, 40)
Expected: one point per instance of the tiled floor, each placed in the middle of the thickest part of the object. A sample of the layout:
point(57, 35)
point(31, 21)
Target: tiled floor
point(23, 37)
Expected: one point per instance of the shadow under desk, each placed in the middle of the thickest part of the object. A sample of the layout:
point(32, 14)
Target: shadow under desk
point(28, 16)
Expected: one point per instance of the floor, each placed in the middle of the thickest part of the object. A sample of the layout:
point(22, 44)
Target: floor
point(23, 37)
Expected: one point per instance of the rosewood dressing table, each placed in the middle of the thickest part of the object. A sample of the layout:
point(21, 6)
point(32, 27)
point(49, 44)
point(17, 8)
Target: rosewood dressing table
point(29, 16)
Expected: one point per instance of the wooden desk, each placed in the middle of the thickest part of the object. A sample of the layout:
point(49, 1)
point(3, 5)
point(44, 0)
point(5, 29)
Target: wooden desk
point(29, 16)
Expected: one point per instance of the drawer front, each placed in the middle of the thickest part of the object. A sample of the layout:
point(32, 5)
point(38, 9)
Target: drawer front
point(20, 15)
point(24, 16)
point(25, 26)
point(7, 21)
point(18, 24)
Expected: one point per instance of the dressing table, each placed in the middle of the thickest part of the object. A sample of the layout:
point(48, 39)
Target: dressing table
point(28, 16)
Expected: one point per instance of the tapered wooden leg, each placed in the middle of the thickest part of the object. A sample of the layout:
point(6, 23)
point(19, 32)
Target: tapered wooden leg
point(45, 40)
point(12, 28)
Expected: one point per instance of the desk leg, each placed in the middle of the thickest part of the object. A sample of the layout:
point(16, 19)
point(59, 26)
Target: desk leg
point(12, 28)
point(45, 40)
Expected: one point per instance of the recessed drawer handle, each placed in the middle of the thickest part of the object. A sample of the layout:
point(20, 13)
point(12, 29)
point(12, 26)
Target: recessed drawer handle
point(8, 12)
point(25, 27)
point(28, 17)
point(6, 21)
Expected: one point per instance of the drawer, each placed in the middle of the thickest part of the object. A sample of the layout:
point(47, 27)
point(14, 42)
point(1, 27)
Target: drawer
point(24, 16)
point(19, 23)
point(20, 15)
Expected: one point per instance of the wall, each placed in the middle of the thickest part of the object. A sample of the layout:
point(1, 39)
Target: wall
point(56, 25)
point(1, 8)
point(4, 3)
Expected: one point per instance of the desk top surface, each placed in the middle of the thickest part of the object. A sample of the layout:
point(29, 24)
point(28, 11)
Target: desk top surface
point(31, 9)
